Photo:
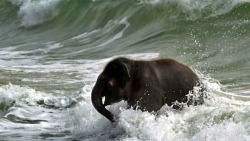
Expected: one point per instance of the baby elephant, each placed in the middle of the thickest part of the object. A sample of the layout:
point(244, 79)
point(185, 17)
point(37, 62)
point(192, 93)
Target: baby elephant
point(146, 85)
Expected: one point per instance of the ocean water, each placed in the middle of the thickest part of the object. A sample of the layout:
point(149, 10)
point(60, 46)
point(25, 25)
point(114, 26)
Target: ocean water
point(51, 52)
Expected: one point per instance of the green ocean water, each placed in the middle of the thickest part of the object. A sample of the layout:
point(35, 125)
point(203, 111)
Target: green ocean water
point(51, 52)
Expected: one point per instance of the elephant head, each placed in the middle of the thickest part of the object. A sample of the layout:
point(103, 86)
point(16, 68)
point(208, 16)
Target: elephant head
point(111, 85)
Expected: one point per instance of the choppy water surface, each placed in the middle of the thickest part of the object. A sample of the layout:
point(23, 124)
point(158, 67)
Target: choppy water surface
point(51, 52)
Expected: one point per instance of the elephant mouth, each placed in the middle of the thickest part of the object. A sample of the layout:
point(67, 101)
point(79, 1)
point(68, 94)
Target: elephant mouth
point(106, 102)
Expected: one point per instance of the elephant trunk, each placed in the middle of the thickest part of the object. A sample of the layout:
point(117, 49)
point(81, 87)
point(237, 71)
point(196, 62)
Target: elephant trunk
point(96, 98)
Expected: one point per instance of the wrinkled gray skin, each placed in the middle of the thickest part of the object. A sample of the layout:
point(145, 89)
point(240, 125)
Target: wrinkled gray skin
point(144, 84)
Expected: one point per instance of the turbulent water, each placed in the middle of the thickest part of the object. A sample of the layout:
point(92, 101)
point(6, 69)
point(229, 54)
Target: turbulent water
point(51, 52)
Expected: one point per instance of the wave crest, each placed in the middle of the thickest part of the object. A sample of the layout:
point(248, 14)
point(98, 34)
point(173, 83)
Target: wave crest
point(36, 12)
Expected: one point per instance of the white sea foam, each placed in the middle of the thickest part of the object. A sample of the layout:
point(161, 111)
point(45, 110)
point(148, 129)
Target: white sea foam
point(226, 131)
point(34, 12)
point(25, 115)
point(10, 94)
point(23, 96)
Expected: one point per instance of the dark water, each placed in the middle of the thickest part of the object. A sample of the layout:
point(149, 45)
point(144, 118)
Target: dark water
point(51, 52)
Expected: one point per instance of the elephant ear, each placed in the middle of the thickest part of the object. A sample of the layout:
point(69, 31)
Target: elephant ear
point(119, 70)
point(125, 76)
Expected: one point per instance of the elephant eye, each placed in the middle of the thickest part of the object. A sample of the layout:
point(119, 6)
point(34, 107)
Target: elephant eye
point(101, 81)
point(111, 82)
